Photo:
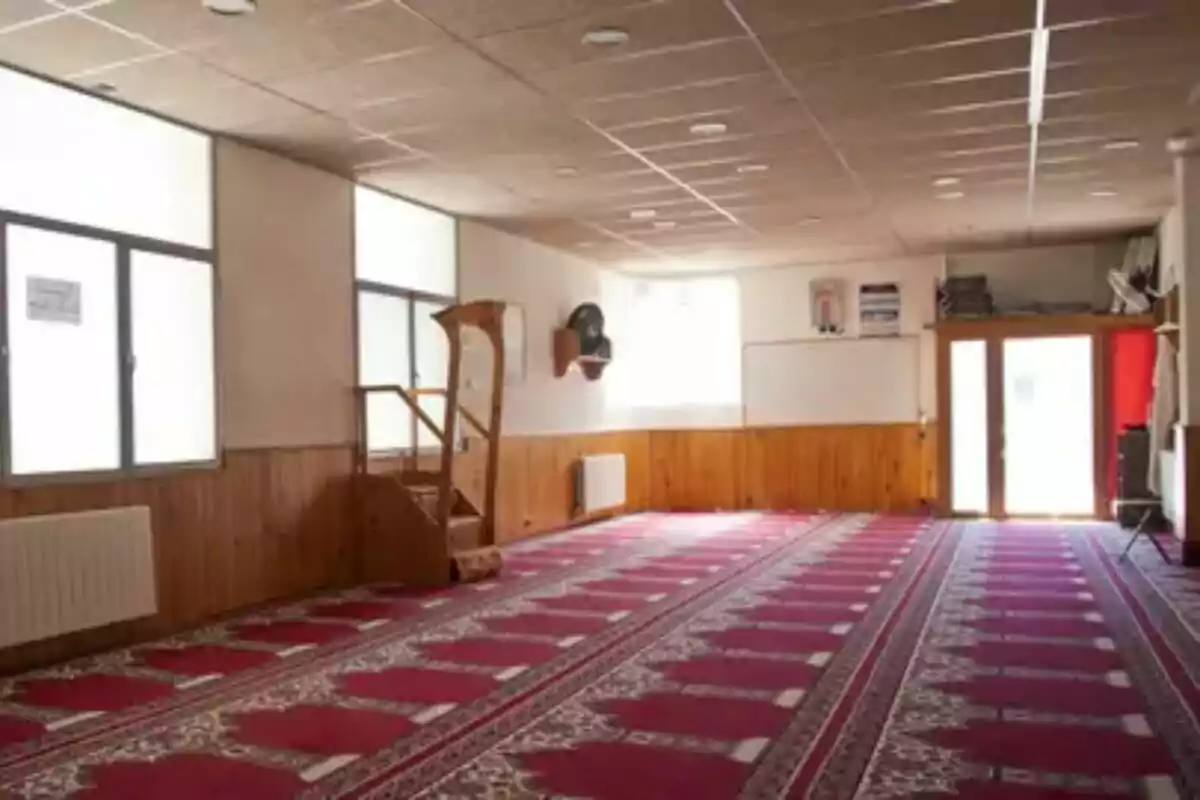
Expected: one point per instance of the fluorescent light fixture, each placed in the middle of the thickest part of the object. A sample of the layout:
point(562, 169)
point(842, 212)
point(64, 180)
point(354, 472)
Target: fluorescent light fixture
point(1039, 61)
point(708, 128)
point(951, 195)
point(1122, 144)
point(664, 225)
point(231, 8)
point(643, 213)
point(947, 180)
point(606, 37)
point(747, 169)
point(566, 172)
point(806, 221)
point(1103, 193)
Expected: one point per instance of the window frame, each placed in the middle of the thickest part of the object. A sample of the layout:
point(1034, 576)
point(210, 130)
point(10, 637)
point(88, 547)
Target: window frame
point(410, 297)
point(125, 244)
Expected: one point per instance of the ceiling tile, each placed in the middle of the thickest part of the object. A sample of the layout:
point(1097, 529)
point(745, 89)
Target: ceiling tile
point(962, 96)
point(23, 12)
point(411, 73)
point(181, 87)
point(941, 66)
point(293, 46)
point(676, 68)
point(779, 117)
point(927, 26)
point(462, 106)
point(718, 95)
point(476, 18)
point(187, 24)
point(785, 15)
point(68, 44)
point(652, 27)
point(321, 140)
point(503, 135)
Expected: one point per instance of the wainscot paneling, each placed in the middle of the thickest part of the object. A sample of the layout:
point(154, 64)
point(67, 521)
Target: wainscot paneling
point(536, 485)
point(266, 524)
point(836, 467)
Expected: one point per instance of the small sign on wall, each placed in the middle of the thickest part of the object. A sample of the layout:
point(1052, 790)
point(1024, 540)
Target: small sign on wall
point(53, 300)
point(879, 309)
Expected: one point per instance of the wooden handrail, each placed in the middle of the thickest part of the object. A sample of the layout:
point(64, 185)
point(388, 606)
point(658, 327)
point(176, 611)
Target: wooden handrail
point(470, 417)
point(409, 401)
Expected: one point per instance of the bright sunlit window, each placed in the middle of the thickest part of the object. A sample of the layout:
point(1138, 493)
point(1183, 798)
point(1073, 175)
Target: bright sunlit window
point(106, 229)
point(679, 344)
point(68, 156)
point(406, 262)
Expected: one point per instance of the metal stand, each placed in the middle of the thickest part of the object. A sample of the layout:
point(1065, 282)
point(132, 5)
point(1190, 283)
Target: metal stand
point(1143, 529)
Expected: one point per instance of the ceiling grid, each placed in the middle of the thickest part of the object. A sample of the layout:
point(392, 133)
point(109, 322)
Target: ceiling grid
point(693, 134)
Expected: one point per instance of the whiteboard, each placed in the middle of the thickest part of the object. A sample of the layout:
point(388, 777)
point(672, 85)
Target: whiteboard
point(831, 381)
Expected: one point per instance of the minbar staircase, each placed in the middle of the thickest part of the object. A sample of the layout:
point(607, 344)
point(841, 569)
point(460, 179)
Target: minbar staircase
point(417, 527)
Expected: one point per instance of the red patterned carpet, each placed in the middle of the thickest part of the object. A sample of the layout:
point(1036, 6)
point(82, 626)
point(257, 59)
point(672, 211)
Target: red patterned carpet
point(664, 656)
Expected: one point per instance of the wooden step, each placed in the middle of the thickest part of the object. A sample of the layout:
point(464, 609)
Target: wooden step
point(427, 497)
point(477, 564)
point(464, 533)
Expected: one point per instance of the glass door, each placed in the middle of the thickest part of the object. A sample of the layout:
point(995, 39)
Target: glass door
point(968, 427)
point(1048, 447)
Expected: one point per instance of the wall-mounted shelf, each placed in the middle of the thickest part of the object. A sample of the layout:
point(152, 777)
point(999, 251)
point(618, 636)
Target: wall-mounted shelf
point(566, 353)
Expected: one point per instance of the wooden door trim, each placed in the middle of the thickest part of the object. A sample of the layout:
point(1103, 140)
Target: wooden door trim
point(994, 349)
point(993, 333)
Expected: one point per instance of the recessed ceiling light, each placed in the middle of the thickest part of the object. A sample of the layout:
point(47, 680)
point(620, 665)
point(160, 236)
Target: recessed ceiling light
point(746, 169)
point(947, 180)
point(1103, 193)
point(1122, 144)
point(606, 37)
point(951, 195)
point(643, 213)
point(566, 172)
point(708, 128)
point(231, 8)
point(664, 225)
point(104, 87)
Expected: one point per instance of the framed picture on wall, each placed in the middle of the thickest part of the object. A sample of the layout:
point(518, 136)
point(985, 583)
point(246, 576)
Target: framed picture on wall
point(514, 345)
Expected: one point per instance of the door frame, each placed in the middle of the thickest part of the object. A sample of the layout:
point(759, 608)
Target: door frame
point(993, 331)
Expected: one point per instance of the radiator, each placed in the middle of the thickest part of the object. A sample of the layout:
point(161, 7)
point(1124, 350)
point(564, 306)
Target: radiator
point(600, 483)
point(69, 572)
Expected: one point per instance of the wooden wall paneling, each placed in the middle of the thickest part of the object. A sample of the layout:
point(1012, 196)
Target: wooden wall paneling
point(835, 467)
point(536, 488)
point(697, 470)
point(945, 416)
point(267, 524)
point(995, 423)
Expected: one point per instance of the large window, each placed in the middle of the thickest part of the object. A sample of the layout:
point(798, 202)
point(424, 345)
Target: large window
point(107, 279)
point(406, 260)
point(679, 344)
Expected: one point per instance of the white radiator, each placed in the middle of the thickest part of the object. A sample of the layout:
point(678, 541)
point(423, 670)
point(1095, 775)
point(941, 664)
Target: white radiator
point(600, 482)
point(69, 572)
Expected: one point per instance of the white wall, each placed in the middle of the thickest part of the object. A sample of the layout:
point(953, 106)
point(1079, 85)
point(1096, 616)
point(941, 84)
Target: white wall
point(548, 284)
point(1076, 273)
point(775, 308)
point(285, 311)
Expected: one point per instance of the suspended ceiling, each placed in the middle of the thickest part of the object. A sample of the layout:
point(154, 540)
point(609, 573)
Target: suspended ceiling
point(842, 117)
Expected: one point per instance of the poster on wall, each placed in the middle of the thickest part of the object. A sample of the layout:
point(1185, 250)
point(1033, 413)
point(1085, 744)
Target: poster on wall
point(879, 309)
point(827, 306)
